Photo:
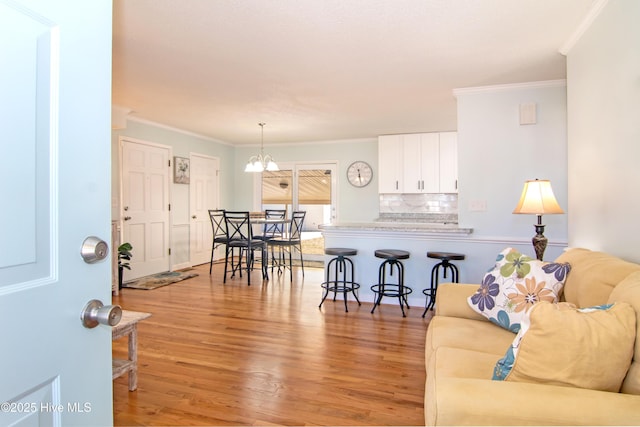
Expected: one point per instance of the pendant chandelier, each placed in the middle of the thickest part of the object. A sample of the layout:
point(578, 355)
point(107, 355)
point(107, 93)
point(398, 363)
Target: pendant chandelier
point(261, 162)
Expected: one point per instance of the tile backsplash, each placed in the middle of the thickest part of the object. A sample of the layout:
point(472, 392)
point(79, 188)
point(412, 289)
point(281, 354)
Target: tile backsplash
point(419, 207)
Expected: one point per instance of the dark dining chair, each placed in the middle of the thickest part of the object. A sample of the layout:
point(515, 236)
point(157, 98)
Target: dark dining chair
point(240, 236)
point(272, 230)
point(219, 227)
point(292, 240)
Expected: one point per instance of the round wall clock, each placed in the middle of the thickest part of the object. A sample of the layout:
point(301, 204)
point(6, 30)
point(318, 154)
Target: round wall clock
point(359, 174)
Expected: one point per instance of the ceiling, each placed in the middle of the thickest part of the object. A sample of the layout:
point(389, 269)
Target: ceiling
point(316, 70)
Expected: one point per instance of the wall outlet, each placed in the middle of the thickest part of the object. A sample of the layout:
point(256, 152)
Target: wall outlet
point(478, 205)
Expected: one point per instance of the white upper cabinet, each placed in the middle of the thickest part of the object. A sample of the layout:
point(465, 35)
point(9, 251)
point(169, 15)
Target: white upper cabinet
point(418, 163)
point(448, 162)
point(390, 164)
point(421, 164)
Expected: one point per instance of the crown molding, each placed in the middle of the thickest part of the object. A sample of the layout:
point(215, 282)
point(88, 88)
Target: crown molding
point(591, 16)
point(506, 87)
point(178, 130)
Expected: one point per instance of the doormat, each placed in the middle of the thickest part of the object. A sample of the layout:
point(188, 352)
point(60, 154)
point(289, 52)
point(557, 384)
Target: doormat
point(158, 280)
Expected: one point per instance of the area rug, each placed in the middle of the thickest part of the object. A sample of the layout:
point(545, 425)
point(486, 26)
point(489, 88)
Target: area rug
point(158, 280)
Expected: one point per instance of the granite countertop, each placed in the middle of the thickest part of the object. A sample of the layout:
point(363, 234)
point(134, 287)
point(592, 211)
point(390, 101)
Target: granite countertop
point(398, 226)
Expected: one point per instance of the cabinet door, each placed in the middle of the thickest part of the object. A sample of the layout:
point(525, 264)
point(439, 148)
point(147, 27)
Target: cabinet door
point(430, 159)
point(449, 162)
point(390, 164)
point(412, 167)
point(421, 165)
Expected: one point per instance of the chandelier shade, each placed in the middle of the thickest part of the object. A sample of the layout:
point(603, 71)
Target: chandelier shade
point(261, 162)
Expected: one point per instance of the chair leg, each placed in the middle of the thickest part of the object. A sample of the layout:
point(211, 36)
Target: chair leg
point(301, 260)
point(226, 261)
point(265, 271)
point(213, 248)
point(290, 265)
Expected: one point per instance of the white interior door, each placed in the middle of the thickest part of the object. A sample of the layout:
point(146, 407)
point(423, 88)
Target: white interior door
point(145, 206)
point(203, 195)
point(55, 112)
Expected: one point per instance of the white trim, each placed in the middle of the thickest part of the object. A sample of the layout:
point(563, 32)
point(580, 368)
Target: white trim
point(501, 88)
point(178, 130)
point(594, 12)
point(448, 236)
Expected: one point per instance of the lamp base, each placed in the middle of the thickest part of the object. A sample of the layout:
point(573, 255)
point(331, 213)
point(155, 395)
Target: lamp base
point(539, 241)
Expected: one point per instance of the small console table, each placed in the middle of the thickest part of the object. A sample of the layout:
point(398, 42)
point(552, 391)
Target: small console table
point(128, 326)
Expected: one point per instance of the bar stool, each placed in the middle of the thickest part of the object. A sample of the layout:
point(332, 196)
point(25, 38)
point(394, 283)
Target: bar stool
point(445, 258)
point(342, 280)
point(392, 259)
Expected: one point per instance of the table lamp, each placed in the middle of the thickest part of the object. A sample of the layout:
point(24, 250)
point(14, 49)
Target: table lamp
point(537, 198)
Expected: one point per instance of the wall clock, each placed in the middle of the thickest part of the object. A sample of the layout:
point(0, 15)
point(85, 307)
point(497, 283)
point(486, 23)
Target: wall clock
point(359, 173)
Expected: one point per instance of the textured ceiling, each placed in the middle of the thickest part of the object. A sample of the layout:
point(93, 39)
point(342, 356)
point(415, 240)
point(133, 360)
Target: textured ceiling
point(316, 70)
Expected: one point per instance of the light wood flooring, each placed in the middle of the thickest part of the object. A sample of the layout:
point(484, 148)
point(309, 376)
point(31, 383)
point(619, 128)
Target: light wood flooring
point(232, 354)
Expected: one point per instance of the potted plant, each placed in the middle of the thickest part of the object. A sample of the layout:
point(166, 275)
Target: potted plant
point(124, 255)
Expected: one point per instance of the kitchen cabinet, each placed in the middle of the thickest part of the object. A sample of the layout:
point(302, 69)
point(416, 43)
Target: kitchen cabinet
point(390, 179)
point(418, 163)
point(448, 162)
point(421, 169)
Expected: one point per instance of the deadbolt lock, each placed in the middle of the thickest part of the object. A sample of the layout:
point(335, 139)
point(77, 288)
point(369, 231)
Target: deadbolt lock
point(94, 249)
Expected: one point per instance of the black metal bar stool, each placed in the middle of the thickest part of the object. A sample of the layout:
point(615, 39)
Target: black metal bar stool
point(445, 258)
point(342, 278)
point(392, 259)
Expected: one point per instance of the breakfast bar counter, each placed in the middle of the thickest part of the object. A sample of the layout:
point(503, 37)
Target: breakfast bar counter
point(415, 237)
point(425, 228)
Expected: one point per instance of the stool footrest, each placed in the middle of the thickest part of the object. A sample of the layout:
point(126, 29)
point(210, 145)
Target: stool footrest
point(339, 286)
point(391, 290)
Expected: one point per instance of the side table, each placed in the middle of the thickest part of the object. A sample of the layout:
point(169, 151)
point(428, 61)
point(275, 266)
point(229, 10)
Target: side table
point(128, 326)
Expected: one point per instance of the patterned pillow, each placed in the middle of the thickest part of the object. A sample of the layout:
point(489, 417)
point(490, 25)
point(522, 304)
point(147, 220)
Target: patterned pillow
point(514, 285)
point(562, 345)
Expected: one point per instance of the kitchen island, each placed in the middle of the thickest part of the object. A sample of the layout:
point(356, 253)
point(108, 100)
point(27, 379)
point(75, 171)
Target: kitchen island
point(415, 237)
point(418, 238)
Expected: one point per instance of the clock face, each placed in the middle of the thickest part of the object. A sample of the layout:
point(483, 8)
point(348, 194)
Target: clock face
point(359, 174)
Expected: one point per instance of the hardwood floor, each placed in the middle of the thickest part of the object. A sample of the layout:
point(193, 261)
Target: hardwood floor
point(214, 354)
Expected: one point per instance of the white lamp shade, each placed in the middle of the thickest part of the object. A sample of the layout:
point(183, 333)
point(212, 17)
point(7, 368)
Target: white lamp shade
point(537, 198)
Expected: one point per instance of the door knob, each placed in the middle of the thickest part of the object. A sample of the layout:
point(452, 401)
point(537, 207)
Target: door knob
point(194, 217)
point(127, 218)
point(95, 313)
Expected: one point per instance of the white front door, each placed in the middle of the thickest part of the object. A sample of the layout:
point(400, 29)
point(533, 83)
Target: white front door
point(203, 195)
point(145, 206)
point(55, 110)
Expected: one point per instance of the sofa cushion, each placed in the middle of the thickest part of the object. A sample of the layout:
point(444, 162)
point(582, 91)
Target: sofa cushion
point(593, 276)
point(629, 291)
point(560, 344)
point(514, 285)
point(473, 335)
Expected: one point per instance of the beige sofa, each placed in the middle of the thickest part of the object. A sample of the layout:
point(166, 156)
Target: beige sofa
point(462, 348)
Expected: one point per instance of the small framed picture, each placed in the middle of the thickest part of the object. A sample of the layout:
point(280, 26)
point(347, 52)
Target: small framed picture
point(181, 170)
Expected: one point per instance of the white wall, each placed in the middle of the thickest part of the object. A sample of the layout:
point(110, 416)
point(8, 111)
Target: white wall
point(603, 74)
point(496, 155)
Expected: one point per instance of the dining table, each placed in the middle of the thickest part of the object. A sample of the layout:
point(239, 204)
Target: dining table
point(259, 219)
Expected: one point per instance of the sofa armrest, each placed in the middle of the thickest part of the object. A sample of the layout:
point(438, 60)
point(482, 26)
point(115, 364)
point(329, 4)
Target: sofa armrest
point(465, 401)
point(451, 300)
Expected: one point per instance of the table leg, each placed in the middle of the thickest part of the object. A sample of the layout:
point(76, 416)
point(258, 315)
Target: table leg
point(133, 356)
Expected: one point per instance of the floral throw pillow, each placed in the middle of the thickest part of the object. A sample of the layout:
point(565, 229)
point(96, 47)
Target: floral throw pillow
point(515, 284)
